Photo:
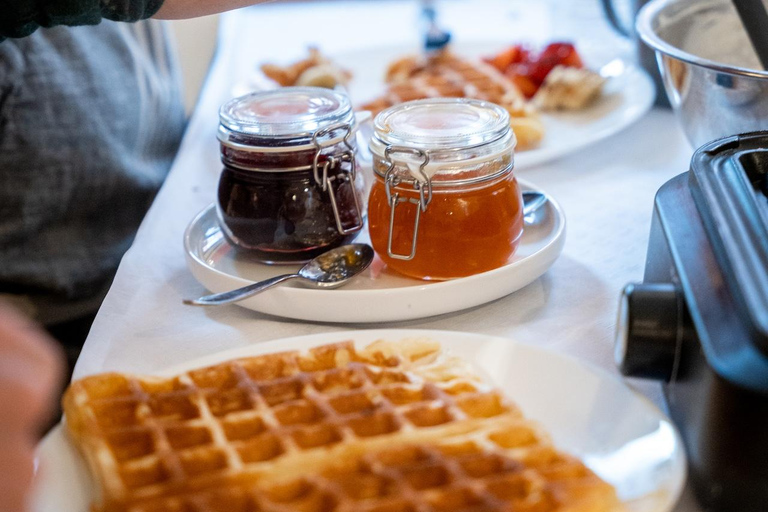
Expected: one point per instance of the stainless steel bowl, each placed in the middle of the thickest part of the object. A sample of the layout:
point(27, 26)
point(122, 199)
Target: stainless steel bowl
point(712, 77)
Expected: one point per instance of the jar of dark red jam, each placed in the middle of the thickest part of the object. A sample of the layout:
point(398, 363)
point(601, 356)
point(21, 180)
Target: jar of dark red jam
point(290, 188)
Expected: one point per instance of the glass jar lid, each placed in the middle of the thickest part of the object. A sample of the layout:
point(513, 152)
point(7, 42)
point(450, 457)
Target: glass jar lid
point(442, 123)
point(449, 139)
point(288, 112)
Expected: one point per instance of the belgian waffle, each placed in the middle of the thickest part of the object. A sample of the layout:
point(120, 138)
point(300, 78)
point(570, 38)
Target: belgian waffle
point(444, 75)
point(508, 466)
point(278, 432)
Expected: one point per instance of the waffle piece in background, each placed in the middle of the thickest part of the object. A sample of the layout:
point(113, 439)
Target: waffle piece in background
point(316, 71)
point(266, 416)
point(508, 465)
point(444, 74)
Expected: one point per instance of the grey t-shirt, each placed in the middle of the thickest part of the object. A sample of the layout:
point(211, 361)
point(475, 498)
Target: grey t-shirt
point(90, 121)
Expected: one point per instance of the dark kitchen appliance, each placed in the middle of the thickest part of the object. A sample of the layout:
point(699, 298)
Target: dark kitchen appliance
point(699, 321)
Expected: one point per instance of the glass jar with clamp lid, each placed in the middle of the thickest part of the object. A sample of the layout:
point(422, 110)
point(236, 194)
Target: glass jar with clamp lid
point(445, 202)
point(290, 186)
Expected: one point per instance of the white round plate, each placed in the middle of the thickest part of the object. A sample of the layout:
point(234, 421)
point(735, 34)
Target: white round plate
point(627, 96)
point(618, 433)
point(378, 294)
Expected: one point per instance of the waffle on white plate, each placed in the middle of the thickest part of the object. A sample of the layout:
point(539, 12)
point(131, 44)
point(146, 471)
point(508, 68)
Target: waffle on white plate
point(395, 427)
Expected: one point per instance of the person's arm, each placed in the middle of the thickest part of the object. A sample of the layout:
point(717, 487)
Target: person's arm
point(19, 18)
point(30, 376)
point(183, 9)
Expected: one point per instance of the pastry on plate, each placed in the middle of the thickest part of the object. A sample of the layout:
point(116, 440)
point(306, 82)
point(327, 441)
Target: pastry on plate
point(568, 88)
point(395, 426)
point(316, 70)
point(526, 124)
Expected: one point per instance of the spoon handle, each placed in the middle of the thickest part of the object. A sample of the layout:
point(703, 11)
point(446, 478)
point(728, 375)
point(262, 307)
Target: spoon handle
point(240, 293)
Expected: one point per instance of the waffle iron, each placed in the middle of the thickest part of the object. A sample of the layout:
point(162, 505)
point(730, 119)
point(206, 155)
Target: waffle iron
point(699, 320)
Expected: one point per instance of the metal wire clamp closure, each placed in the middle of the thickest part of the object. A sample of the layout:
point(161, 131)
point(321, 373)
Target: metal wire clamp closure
point(423, 186)
point(326, 182)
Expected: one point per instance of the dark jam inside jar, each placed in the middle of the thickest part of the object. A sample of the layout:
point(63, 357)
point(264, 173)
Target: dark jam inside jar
point(282, 215)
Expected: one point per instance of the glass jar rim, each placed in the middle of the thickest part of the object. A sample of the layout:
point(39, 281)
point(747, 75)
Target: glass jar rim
point(284, 114)
point(336, 135)
point(436, 124)
point(440, 133)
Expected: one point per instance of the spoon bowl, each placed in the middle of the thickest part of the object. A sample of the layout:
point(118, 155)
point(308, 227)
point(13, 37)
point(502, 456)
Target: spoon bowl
point(337, 266)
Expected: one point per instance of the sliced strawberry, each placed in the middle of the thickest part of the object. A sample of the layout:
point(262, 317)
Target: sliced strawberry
point(524, 83)
point(502, 60)
point(563, 54)
point(523, 54)
point(539, 70)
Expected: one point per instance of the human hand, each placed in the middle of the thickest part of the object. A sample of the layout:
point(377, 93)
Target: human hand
point(30, 375)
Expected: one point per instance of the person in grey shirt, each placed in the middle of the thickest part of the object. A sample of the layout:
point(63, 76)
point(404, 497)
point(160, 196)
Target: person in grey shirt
point(90, 121)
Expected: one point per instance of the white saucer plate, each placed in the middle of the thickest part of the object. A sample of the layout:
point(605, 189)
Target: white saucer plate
point(618, 433)
point(379, 294)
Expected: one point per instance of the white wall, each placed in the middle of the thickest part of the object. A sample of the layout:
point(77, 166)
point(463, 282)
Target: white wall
point(196, 43)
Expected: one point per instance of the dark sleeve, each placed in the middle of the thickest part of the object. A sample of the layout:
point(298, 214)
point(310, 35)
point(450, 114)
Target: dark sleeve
point(19, 18)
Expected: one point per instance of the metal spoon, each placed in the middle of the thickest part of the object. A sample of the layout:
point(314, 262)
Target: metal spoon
point(532, 202)
point(329, 270)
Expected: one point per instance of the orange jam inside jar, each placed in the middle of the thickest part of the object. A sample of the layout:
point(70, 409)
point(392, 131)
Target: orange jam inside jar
point(445, 203)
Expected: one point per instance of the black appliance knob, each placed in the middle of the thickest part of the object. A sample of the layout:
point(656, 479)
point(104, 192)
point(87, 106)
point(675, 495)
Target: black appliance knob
point(649, 329)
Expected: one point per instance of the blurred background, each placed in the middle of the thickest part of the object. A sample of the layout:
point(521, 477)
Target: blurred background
point(544, 20)
point(196, 43)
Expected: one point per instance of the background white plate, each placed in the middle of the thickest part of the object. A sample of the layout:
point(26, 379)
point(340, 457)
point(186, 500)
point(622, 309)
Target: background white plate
point(627, 97)
point(618, 433)
point(379, 294)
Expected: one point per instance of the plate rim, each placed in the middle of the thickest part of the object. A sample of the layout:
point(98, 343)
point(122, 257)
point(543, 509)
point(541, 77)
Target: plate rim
point(555, 238)
point(315, 339)
point(638, 112)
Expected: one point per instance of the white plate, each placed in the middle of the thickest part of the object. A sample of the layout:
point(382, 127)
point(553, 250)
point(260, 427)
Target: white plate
point(618, 433)
point(379, 294)
point(627, 97)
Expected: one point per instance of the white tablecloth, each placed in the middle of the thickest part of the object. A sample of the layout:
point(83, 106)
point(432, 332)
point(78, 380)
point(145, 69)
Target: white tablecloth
point(606, 191)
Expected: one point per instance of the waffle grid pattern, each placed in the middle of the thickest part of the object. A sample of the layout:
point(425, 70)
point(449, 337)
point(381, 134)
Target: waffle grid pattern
point(394, 428)
point(512, 468)
point(160, 436)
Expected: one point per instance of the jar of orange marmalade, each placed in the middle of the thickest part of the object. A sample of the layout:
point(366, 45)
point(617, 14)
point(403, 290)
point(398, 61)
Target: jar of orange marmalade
point(445, 203)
